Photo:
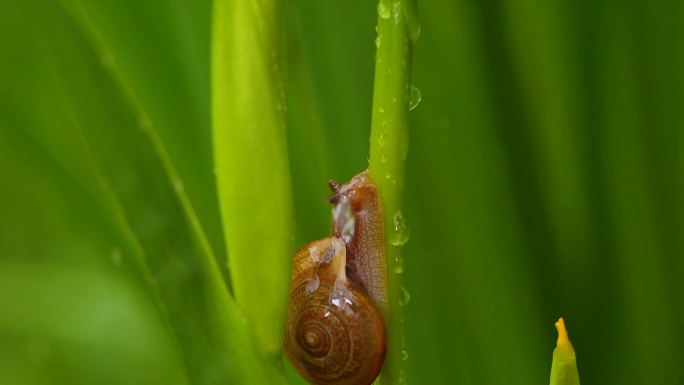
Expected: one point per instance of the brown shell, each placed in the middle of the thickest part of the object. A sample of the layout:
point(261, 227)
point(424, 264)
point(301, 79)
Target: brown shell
point(334, 334)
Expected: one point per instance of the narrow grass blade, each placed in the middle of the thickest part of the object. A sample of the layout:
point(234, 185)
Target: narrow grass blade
point(398, 29)
point(212, 334)
point(564, 366)
point(250, 152)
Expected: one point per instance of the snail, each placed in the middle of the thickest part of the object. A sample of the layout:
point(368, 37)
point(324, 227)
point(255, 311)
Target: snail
point(335, 332)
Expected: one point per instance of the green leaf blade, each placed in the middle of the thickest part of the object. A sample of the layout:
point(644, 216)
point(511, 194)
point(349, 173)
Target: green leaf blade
point(398, 28)
point(250, 152)
point(209, 328)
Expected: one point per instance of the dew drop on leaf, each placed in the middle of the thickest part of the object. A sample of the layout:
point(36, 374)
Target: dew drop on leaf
point(383, 10)
point(402, 377)
point(415, 97)
point(400, 233)
point(398, 265)
point(405, 297)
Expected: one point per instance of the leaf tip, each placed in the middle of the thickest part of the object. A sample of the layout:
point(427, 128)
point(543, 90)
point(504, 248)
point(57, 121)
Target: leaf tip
point(562, 333)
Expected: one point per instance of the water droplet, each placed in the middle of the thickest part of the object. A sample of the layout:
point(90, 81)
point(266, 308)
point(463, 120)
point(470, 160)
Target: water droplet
point(396, 7)
point(398, 264)
point(383, 158)
point(404, 355)
point(383, 10)
point(116, 256)
point(382, 138)
point(415, 97)
point(368, 157)
point(400, 234)
point(402, 377)
point(388, 174)
point(378, 40)
point(405, 298)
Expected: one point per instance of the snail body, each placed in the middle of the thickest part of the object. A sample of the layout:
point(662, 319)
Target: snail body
point(357, 204)
point(335, 331)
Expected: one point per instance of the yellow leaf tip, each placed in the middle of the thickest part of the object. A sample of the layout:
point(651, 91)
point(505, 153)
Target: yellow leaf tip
point(562, 333)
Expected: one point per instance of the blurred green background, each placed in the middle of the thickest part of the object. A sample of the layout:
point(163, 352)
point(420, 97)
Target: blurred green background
point(545, 178)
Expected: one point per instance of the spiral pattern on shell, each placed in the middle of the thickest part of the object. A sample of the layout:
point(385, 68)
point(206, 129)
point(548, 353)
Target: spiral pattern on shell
point(334, 334)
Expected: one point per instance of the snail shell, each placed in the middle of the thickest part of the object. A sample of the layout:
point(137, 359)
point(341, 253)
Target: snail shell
point(334, 334)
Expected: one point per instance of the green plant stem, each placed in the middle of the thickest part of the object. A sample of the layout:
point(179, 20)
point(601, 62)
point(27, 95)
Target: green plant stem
point(251, 160)
point(397, 29)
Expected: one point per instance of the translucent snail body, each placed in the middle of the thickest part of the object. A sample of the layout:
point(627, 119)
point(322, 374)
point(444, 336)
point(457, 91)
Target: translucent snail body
point(335, 332)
